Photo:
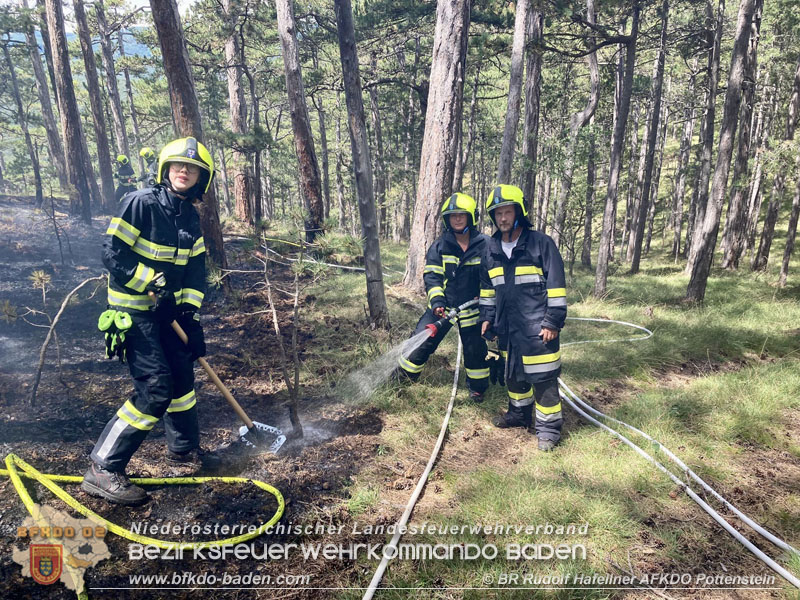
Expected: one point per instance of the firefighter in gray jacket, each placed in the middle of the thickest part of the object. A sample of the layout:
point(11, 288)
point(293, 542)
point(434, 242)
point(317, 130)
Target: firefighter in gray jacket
point(523, 303)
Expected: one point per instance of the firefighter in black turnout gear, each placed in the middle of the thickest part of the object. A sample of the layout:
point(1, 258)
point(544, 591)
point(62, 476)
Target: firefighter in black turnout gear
point(126, 178)
point(452, 278)
point(155, 247)
point(523, 303)
point(151, 166)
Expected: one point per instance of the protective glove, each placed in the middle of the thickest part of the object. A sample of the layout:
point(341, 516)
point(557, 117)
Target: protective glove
point(440, 311)
point(497, 368)
point(164, 309)
point(189, 321)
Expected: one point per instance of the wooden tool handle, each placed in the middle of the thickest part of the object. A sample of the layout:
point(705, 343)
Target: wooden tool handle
point(213, 376)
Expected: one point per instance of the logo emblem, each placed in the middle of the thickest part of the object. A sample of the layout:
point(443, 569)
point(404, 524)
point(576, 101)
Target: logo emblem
point(190, 153)
point(46, 562)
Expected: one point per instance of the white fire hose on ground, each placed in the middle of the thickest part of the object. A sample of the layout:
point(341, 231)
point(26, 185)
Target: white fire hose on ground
point(573, 401)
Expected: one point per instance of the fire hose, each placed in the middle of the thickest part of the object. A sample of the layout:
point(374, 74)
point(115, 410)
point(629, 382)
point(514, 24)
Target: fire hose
point(378, 575)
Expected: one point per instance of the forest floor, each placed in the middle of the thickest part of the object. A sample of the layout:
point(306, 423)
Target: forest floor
point(719, 385)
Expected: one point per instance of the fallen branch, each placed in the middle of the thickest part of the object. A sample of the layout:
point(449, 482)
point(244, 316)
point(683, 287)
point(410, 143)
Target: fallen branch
point(51, 333)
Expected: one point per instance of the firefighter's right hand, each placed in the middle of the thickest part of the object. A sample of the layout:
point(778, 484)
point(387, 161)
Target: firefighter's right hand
point(157, 283)
point(440, 312)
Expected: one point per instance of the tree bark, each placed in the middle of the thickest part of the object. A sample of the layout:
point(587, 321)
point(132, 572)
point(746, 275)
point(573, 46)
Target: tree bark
point(735, 221)
point(708, 139)
point(533, 73)
point(362, 167)
point(111, 80)
point(323, 142)
point(576, 122)
point(129, 91)
point(409, 189)
point(380, 164)
point(617, 139)
point(635, 183)
point(96, 103)
point(654, 188)
point(514, 93)
point(74, 145)
point(240, 170)
point(54, 144)
point(683, 164)
point(790, 235)
point(462, 157)
point(310, 180)
point(652, 139)
point(23, 123)
point(707, 237)
point(761, 257)
point(186, 110)
point(586, 247)
point(442, 124)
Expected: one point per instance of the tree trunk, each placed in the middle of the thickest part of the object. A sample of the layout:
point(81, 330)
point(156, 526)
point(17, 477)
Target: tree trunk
point(586, 248)
point(576, 122)
point(514, 93)
point(323, 141)
point(340, 199)
point(186, 110)
point(225, 183)
point(129, 91)
point(683, 164)
point(240, 170)
point(533, 72)
point(654, 188)
point(735, 221)
point(791, 234)
point(48, 51)
point(362, 167)
point(96, 102)
point(111, 80)
point(708, 139)
point(442, 124)
point(409, 191)
point(635, 185)
point(615, 159)
point(75, 154)
point(707, 236)
point(23, 123)
point(310, 180)
point(462, 157)
point(544, 205)
point(257, 189)
point(652, 139)
point(380, 165)
point(54, 145)
point(776, 198)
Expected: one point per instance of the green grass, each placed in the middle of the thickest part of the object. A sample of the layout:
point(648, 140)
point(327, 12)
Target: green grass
point(718, 384)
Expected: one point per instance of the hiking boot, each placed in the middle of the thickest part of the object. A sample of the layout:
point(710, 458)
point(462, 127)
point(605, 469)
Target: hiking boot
point(476, 397)
point(508, 420)
point(546, 445)
point(113, 486)
point(197, 458)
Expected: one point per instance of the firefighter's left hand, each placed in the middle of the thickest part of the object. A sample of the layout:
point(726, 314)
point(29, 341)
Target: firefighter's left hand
point(548, 335)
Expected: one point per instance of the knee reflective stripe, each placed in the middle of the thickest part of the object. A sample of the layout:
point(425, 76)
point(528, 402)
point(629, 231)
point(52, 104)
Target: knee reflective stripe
point(548, 413)
point(407, 365)
point(542, 363)
point(185, 402)
point(477, 373)
point(136, 418)
point(521, 399)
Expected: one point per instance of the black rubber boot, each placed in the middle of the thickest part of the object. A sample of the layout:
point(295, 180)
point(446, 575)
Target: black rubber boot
point(546, 445)
point(476, 397)
point(197, 458)
point(113, 486)
point(515, 417)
